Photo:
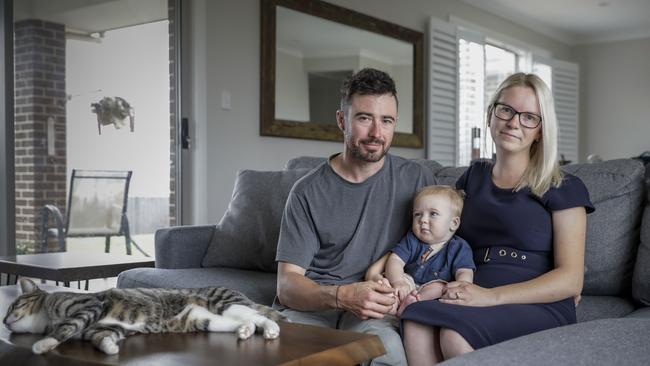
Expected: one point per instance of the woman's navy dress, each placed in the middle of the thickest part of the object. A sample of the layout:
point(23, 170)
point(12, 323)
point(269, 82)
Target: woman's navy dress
point(511, 234)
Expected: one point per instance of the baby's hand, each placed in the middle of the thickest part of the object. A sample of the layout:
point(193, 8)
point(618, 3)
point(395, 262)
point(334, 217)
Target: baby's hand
point(402, 289)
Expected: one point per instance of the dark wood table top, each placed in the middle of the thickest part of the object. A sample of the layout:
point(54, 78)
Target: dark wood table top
point(71, 266)
point(298, 344)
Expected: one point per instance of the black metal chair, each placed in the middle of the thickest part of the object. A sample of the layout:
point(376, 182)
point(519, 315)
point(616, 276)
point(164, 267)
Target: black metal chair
point(97, 205)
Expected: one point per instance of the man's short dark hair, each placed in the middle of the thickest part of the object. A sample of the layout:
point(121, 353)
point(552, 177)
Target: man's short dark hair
point(367, 81)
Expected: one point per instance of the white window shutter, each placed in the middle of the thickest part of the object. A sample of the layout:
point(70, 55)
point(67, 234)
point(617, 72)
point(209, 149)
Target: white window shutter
point(566, 94)
point(443, 92)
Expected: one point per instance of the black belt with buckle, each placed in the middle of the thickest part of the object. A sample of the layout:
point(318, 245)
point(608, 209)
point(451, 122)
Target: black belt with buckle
point(500, 254)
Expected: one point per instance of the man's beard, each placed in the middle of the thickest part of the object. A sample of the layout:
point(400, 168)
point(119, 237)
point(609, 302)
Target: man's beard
point(369, 157)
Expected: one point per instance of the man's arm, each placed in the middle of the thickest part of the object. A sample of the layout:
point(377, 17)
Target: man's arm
point(298, 292)
point(365, 299)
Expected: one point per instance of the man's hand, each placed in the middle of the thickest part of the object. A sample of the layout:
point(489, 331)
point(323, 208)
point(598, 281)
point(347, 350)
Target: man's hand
point(369, 299)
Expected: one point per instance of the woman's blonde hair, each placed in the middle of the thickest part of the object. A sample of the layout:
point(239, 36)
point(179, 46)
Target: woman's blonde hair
point(543, 171)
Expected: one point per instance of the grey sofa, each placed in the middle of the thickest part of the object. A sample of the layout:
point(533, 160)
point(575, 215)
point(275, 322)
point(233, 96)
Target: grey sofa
point(239, 253)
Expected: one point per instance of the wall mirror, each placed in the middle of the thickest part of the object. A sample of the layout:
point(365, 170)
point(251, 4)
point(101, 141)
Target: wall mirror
point(310, 46)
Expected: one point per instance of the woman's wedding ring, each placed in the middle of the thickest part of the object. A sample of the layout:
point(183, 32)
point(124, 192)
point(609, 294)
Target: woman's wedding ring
point(458, 295)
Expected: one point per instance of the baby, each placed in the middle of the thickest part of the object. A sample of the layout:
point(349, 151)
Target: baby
point(430, 253)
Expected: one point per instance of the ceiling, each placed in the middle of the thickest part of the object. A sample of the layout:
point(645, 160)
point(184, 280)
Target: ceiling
point(576, 21)
point(92, 16)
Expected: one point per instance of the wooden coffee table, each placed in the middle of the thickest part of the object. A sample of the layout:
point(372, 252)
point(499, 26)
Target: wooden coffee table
point(298, 344)
point(71, 266)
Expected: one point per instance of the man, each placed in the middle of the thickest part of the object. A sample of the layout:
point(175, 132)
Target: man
point(344, 215)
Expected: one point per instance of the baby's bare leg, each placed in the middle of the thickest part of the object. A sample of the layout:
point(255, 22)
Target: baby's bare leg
point(428, 291)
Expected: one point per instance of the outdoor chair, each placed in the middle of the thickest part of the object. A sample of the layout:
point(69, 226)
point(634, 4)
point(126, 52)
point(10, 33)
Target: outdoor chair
point(97, 204)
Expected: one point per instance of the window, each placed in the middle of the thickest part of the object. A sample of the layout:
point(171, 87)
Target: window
point(481, 70)
point(466, 84)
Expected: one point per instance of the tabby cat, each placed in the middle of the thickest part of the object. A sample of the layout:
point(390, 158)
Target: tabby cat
point(106, 317)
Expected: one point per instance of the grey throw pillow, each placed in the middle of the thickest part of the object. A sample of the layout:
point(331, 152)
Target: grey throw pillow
point(616, 190)
point(247, 235)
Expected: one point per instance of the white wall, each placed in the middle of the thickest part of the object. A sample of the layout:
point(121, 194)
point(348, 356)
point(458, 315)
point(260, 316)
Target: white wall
point(615, 98)
point(224, 55)
point(131, 63)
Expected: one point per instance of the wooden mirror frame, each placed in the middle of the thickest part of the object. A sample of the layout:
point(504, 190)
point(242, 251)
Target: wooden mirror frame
point(269, 126)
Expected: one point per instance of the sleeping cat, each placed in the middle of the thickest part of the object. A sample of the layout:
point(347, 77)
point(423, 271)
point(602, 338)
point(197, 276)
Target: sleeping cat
point(106, 317)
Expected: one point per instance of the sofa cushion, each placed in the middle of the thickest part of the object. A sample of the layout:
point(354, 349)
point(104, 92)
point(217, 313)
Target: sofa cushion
point(600, 307)
point(258, 286)
point(641, 277)
point(616, 190)
point(643, 313)
point(599, 342)
point(247, 235)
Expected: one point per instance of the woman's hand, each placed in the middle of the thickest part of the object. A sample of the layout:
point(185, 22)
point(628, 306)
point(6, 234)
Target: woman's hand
point(465, 293)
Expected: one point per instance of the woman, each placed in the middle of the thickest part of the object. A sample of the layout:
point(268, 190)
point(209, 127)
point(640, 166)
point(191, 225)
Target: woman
point(526, 223)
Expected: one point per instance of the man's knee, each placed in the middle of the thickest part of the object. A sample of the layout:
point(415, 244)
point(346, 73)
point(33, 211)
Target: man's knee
point(392, 341)
point(386, 330)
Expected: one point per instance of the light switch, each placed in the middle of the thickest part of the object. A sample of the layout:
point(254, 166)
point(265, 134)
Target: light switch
point(225, 100)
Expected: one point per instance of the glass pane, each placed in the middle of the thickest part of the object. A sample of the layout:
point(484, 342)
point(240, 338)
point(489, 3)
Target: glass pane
point(92, 91)
point(545, 72)
point(471, 96)
point(499, 64)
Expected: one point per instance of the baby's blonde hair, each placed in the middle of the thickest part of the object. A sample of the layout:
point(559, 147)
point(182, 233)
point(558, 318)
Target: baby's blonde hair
point(456, 196)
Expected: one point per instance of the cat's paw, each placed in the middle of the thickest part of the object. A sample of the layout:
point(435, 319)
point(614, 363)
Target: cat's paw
point(271, 330)
point(45, 345)
point(108, 346)
point(246, 330)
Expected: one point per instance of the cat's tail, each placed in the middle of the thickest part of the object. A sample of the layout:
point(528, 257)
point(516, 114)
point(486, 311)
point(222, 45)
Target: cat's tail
point(270, 313)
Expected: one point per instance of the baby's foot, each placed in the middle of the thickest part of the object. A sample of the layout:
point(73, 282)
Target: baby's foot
point(408, 300)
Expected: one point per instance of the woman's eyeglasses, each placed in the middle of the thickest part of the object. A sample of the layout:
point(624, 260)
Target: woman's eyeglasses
point(507, 113)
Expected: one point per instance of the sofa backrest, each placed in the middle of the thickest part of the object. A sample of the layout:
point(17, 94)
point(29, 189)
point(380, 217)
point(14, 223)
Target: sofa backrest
point(641, 277)
point(616, 189)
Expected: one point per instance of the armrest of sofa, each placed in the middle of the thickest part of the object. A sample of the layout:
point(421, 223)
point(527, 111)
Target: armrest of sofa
point(182, 246)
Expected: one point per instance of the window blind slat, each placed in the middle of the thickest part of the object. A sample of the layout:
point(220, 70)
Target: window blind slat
point(443, 92)
point(565, 92)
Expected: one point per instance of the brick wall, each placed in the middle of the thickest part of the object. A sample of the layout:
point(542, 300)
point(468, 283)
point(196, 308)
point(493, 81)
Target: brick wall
point(39, 58)
point(173, 162)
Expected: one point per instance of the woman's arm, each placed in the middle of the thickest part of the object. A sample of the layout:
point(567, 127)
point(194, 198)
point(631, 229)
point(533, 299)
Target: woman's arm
point(565, 280)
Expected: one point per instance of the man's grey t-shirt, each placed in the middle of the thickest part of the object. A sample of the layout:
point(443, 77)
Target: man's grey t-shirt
point(336, 229)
